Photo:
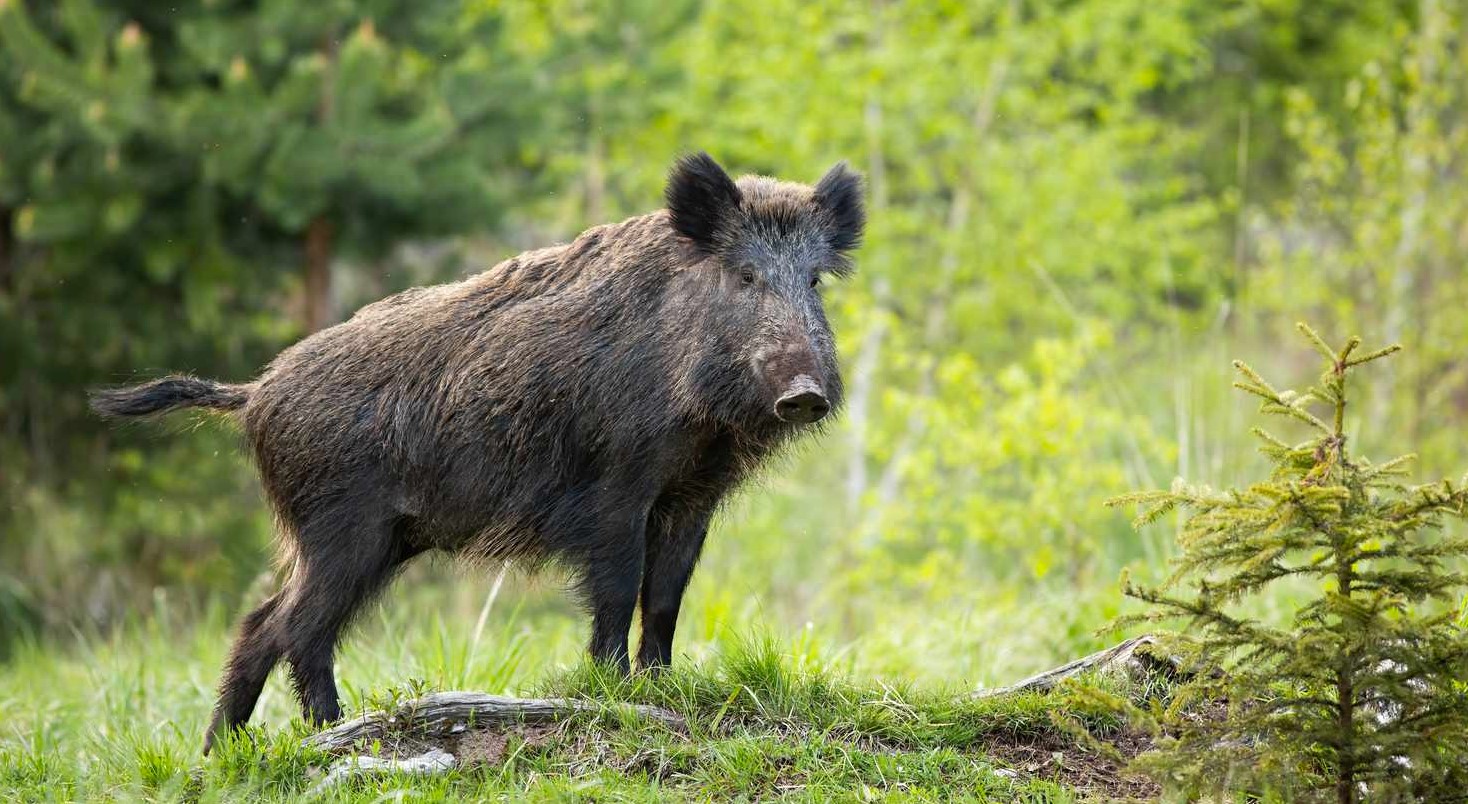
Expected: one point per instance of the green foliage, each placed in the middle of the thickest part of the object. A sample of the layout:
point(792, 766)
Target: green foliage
point(1360, 693)
point(161, 170)
point(220, 132)
point(1373, 235)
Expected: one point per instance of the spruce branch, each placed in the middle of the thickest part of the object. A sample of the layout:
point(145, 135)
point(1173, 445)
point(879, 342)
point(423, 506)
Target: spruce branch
point(1375, 355)
point(1315, 340)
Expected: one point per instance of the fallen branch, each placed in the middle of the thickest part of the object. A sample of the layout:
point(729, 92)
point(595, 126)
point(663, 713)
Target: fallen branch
point(442, 714)
point(1136, 657)
point(430, 762)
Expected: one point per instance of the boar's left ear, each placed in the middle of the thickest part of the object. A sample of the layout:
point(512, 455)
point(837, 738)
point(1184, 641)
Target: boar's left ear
point(839, 193)
point(700, 196)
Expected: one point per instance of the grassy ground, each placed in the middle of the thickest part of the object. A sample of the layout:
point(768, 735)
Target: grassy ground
point(120, 717)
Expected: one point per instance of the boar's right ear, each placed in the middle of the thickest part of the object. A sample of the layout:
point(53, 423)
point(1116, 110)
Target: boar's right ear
point(700, 196)
point(839, 192)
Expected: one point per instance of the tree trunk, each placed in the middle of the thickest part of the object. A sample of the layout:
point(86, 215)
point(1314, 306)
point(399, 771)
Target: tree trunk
point(316, 306)
point(6, 250)
point(596, 180)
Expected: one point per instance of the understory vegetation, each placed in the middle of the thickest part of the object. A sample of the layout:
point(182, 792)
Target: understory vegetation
point(762, 720)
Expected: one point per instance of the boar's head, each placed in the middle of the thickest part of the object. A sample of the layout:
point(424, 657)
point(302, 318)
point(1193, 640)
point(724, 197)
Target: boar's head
point(758, 253)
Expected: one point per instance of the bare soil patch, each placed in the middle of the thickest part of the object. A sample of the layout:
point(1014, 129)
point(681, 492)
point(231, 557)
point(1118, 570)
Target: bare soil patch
point(1056, 759)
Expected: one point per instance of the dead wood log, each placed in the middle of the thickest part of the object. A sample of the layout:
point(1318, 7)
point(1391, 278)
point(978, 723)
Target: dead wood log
point(1136, 657)
point(442, 714)
point(432, 761)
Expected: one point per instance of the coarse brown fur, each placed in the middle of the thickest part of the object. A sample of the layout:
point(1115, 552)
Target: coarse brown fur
point(590, 403)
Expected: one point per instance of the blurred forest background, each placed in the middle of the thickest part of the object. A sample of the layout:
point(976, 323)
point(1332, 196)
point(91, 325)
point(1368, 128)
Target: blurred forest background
point(1080, 211)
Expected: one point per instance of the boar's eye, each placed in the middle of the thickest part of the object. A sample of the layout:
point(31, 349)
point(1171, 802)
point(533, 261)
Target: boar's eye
point(746, 276)
point(815, 279)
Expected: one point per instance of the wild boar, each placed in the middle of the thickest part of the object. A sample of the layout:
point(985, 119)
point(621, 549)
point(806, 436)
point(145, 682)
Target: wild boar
point(589, 404)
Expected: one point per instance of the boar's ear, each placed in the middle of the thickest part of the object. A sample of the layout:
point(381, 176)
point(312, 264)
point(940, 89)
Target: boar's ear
point(839, 193)
point(700, 197)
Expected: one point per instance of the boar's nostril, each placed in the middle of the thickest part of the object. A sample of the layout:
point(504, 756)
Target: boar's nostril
point(802, 408)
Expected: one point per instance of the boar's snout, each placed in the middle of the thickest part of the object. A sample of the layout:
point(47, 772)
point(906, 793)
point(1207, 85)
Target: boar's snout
point(803, 402)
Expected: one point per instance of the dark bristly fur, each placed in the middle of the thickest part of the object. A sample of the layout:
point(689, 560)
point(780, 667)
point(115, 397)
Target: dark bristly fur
point(590, 404)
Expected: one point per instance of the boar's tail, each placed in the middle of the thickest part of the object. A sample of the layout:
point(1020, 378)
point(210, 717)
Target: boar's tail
point(168, 393)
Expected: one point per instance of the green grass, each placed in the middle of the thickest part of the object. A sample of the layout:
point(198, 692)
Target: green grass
point(119, 716)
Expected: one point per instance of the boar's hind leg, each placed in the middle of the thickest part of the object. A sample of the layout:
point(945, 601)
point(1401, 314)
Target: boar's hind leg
point(255, 652)
point(342, 565)
point(672, 551)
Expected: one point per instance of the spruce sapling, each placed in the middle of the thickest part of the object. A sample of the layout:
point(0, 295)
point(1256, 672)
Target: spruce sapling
point(1362, 692)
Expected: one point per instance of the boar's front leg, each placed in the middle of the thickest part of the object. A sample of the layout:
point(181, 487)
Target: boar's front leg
point(673, 547)
point(613, 577)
